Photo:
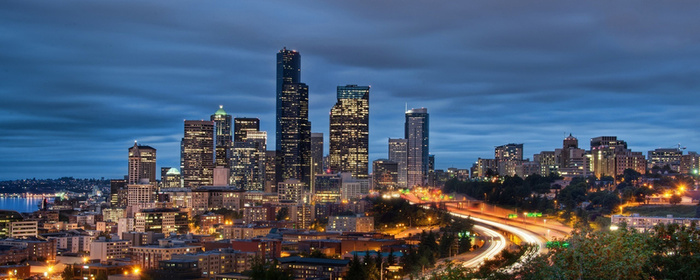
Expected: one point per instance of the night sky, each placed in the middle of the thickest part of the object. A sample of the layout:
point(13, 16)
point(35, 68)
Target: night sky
point(81, 80)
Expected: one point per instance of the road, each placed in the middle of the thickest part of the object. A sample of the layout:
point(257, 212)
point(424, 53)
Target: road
point(494, 242)
point(527, 232)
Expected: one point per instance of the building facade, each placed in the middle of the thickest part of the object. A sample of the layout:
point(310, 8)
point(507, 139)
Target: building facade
point(317, 153)
point(610, 157)
point(398, 152)
point(197, 154)
point(293, 133)
point(349, 131)
point(327, 188)
point(142, 164)
point(665, 157)
point(508, 157)
point(384, 174)
point(290, 189)
point(141, 194)
point(161, 220)
point(222, 124)
point(417, 135)
point(350, 224)
point(248, 164)
point(242, 126)
point(104, 250)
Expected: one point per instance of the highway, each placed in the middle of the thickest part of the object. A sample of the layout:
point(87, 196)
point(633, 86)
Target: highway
point(494, 242)
point(522, 231)
point(495, 245)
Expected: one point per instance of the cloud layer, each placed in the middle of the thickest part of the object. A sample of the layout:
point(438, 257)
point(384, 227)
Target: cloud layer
point(81, 80)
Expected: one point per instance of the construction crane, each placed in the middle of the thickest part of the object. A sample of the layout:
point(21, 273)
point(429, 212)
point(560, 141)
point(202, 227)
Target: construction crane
point(680, 148)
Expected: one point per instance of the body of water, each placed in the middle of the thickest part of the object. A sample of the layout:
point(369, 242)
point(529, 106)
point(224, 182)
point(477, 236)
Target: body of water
point(20, 204)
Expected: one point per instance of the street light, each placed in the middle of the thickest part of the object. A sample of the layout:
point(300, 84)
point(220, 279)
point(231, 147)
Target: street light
point(381, 269)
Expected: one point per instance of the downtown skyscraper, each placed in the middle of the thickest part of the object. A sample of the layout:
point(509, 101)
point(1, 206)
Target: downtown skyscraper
point(349, 131)
point(223, 144)
point(293, 129)
point(398, 152)
point(241, 126)
point(416, 134)
point(197, 154)
point(142, 164)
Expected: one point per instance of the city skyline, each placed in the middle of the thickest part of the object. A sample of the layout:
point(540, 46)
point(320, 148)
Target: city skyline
point(95, 77)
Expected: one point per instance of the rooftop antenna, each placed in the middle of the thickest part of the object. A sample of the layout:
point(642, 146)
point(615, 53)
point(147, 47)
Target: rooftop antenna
point(406, 110)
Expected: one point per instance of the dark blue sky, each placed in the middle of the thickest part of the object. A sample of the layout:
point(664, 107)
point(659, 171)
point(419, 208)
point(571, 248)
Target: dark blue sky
point(81, 80)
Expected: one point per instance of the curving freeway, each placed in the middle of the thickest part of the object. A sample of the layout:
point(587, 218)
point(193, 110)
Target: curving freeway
point(523, 231)
point(496, 244)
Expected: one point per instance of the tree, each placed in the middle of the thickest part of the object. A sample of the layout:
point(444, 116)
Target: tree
point(318, 254)
point(101, 275)
point(370, 268)
point(465, 243)
point(391, 259)
point(446, 241)
point(675, 199)
point(676, 252)
point(355, 272)
point(620, 254)
point(262, 270)
point(572, 195)
point(630, 175)
point(67, 273)
point(282, 214)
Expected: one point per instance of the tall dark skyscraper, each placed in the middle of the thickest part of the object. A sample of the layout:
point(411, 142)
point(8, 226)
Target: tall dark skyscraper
point(416, 130)
point(317, 153)
point(398, 152)
point(197, 154)
point(222, 121)
point(142, 164)
point(349, 131)
point(293, 134)
point(241, 126)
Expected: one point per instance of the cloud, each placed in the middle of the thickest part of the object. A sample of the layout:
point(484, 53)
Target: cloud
point(81, 80)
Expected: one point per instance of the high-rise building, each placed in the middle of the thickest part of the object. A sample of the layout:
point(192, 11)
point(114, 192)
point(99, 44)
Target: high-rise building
point(398, 152)
point(327, 188)
point(485, 167)
point(349, 131)
point(384, 174)
point(222, 122)
point(610, 157)
point(353, 188)
point(571, 160)
point(118, 193)
point(270, 169)
point(690, 163)
point(416, 132)
point(248, 161)
point(317, 153)
point(141, 194)
point(431, 170)
point(547, 162)
point(508, 157)
point(316, 156)
point(197, 154)
point(142, 164)
point(293, 141)
point(161, 220)
point(663, 157)
point(170, 178)
point(241, 126)
point(290, 190)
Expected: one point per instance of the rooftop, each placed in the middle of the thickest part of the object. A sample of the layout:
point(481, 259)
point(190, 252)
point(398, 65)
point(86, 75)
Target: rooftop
point(297, 259)
point(220, 111)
